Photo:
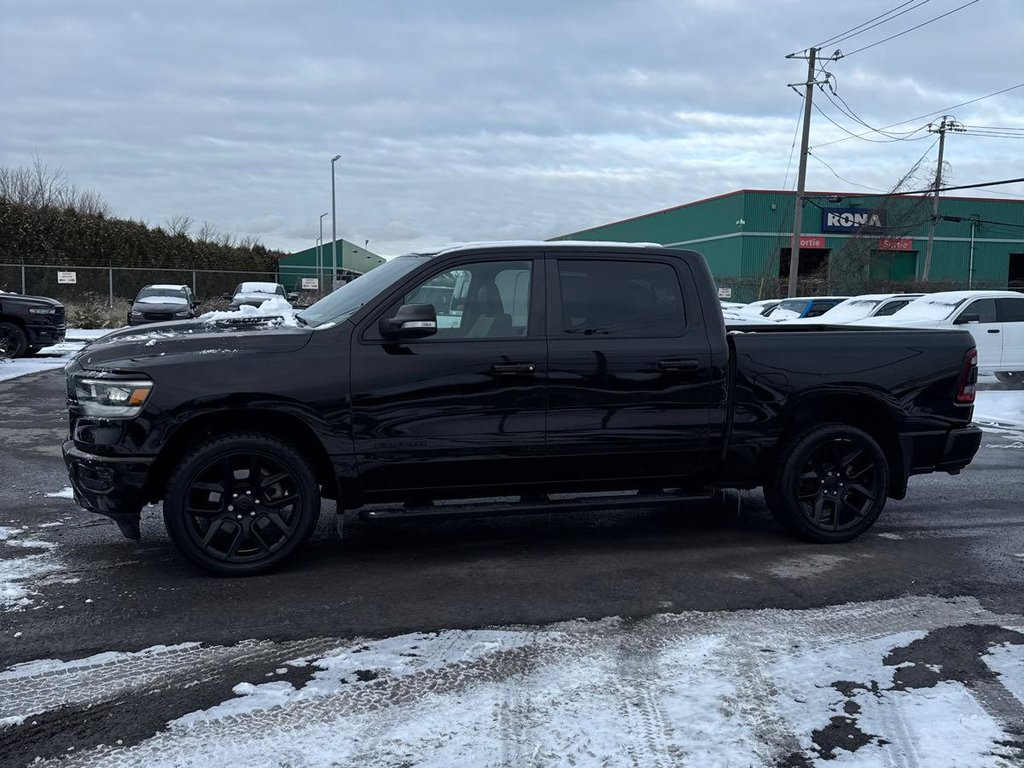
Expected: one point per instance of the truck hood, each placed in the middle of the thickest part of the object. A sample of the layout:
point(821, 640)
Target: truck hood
point(16, 299)
point(192, 340)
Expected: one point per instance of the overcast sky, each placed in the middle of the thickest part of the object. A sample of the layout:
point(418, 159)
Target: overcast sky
point(472, 119)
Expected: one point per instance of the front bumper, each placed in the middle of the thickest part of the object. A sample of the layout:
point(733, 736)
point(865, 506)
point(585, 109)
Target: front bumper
point(45, 335)
point(107, 485)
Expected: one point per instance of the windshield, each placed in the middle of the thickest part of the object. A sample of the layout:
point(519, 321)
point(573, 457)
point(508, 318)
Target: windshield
point(169, 293)
point(851, 309)
point(272, 289)
point(339, 305)
point(934, 307)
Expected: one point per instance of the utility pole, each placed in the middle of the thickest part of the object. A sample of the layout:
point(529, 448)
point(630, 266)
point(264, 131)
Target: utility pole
point(946, 124)
point(798, 216)
point(320, 260)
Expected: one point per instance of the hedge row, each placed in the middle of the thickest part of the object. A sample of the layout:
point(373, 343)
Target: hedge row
point(64, 237)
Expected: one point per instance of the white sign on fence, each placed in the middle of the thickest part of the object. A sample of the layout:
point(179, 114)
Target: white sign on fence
point(310, 283)
point(67, 278)
point(725, 293)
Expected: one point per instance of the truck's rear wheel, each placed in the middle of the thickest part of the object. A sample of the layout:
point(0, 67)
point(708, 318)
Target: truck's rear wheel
point(830, 484)
point(241, 504)
point(12, 341)
point(1013, 378)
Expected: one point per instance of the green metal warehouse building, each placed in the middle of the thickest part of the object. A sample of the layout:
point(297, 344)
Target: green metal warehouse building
point(851, 243)
point(353, 260)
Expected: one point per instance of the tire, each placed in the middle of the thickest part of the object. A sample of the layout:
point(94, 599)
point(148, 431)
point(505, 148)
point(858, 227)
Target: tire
point(12, 341)
point(1013, 378)
point(233, 525)
point(830, 484)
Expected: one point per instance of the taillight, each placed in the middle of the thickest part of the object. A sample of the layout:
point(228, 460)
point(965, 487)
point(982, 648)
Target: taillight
point(968, 378)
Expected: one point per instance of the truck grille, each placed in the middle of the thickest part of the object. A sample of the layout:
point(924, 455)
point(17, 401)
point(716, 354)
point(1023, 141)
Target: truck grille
point(158, 317)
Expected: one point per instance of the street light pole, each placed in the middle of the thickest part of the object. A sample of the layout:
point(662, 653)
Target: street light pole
point(334, 227)
point(320, 262)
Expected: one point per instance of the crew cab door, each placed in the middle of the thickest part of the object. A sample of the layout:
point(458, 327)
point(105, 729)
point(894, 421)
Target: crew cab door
point(980, 318)
point(628, 368)
point(463, 407)
point(1011, 317)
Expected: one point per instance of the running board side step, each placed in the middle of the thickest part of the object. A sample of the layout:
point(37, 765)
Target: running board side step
point(578, 503)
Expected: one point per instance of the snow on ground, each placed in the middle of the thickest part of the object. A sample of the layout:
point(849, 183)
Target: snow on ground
point(861, 684)
point(23, 561)
point(1002, 413)
point(53, 357)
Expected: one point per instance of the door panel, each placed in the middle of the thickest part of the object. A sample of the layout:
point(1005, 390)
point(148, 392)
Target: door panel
point(629, 374)
point(465, 407)
point(987, 332)
point(1011, 317)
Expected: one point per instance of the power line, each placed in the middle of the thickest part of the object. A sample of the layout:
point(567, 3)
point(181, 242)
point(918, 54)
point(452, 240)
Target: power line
point(942, 111)
point(863, 137)
point(907, 31)
point(883, 21)
point(843, 179)
point(848, 111)
point(851, 29)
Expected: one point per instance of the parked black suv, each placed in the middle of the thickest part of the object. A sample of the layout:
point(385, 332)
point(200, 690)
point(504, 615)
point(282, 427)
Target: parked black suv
point(507, 370)
point(161, 303)
point(253, 294)
point(29, 323)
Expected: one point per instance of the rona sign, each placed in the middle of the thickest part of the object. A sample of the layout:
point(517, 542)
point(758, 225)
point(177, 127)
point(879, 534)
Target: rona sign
point(851, 219)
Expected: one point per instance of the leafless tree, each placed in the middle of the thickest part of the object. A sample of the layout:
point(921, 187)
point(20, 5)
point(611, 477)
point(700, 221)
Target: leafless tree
point(39, 186)
point(207, 233)
point(179, 225)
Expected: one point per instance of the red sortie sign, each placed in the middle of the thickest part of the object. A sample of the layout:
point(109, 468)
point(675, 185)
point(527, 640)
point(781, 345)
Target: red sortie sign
point(812, 242)
point(896, 244)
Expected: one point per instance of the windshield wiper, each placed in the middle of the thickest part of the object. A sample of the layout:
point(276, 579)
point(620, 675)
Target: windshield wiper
point(301, 319)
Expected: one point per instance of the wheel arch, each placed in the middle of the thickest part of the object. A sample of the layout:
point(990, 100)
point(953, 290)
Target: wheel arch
point(863, 410)
point(284, 426)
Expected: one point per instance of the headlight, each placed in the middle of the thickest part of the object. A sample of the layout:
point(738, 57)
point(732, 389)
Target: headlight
point(182, 313)
point(112, 398)
point(43, 310)
point(136, 313)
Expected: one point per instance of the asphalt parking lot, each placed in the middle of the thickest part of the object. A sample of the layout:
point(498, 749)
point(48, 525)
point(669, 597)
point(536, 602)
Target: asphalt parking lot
point(83, 590)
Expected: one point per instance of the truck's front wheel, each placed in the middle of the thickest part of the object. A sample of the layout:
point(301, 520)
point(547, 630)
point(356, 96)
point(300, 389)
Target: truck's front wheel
point(830, 483)
point(241, 504)
point(13, 342)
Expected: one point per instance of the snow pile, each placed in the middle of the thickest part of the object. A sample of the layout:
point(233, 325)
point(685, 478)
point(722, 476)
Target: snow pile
point(18, 571)
point(275, 308)
point(858, 683)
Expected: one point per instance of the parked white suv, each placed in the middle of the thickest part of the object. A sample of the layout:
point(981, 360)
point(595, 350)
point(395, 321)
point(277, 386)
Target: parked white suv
point(994, 318)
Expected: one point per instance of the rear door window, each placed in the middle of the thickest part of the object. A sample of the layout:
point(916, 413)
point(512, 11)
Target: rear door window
point(622, 298)
point(1011, 310)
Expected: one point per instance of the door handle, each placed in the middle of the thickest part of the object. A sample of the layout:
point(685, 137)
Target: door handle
point(513, 369)
point(678, 365)
point(993, 330)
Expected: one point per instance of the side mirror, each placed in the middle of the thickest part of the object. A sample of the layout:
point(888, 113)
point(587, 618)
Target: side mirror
point(195, 304)
point(292, 296)
point(971, 318)
point(412, 321)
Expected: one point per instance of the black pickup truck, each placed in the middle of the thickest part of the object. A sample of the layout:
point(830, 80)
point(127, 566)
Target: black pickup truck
point(29, 323)
point(492, 379)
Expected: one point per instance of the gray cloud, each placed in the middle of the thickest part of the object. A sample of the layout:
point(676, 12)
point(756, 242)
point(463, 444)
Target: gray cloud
point(465, 120)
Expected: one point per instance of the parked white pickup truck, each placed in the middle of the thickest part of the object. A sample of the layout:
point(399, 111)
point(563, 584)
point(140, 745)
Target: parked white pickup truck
point(994, 318)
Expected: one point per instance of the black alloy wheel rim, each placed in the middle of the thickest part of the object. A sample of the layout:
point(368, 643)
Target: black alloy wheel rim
point(838, 485)
point(7, 343)
point(242, 507)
